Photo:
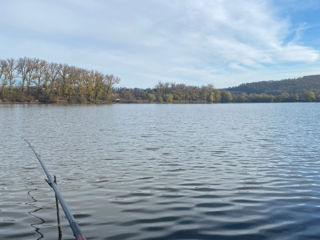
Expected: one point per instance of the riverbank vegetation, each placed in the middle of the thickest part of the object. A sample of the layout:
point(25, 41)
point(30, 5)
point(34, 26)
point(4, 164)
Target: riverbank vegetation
point(305, 89)
point(180, 93)
point(174, 93)
point(31, 80)
point(34, 80)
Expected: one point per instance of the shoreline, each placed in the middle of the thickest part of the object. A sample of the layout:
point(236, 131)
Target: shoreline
point(115, 103)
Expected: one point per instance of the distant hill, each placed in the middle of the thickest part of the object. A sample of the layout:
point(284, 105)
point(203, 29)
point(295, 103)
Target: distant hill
point(291, 86)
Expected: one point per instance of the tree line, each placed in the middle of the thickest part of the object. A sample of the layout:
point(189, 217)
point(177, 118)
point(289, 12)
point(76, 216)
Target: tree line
point(173, 93)
point(304, 96)
point(36, 80)
point(180, 93)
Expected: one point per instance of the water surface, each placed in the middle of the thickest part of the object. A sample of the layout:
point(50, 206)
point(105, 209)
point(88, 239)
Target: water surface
point(230, 171)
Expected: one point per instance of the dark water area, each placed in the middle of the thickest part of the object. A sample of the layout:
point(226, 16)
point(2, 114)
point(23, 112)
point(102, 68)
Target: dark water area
point(230, 171)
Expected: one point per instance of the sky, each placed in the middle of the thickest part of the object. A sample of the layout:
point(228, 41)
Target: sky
point(195, 42)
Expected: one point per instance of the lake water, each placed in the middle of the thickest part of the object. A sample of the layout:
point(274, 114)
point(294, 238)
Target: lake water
point(224, 171)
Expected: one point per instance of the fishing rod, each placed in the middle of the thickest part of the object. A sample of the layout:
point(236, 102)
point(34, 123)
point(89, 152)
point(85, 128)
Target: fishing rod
point(72, 222)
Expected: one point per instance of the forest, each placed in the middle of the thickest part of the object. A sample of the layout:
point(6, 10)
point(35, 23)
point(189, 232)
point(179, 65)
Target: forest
point(31, 80)
point(290, 86)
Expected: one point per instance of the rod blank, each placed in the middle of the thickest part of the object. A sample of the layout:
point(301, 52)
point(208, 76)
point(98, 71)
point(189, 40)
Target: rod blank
point(72, 222)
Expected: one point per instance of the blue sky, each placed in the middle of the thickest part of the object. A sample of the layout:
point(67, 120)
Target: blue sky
point(196, 42)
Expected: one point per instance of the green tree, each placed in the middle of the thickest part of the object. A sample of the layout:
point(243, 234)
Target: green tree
point(217, 95)
point(309, 96)
point(151, 97)
point(243, 97)
point(226, 97)
point(168, 98)
point(160, 99)
point(211, 97)
point(284, 97)
point(294, 97)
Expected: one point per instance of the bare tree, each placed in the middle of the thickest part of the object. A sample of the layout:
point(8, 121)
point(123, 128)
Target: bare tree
point(53, 74)
point(30, 73)
point(22, 69)
point(40, 68)
point(11, 67)
point(3, 76)
point(109, 82)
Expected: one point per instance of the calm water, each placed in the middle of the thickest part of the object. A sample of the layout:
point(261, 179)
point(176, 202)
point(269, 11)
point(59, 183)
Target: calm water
point(233, 171)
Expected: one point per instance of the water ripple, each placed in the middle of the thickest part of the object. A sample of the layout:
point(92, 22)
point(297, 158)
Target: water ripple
point(233, 171)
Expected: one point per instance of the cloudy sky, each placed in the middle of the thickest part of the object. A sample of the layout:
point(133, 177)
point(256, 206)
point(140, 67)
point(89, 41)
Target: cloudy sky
point(196, 42)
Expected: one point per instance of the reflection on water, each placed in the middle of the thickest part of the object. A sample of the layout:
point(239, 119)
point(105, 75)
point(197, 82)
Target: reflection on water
point(33, 213)
point(233, 171)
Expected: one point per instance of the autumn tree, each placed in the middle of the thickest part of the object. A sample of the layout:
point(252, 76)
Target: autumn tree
point(3, 77)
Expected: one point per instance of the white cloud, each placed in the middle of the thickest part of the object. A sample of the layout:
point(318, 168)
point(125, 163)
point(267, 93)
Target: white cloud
point(293, 52)
point(198, 42)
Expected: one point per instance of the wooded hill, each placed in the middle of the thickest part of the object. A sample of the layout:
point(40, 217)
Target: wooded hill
point(298, 85)
point(305, 89)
